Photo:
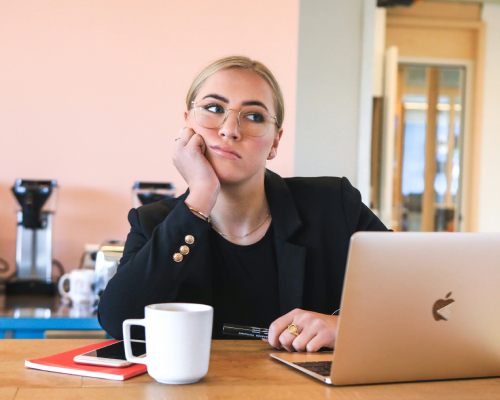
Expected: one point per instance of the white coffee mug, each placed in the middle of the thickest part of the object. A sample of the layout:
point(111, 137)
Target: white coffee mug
point(81, 283)
point(178, 338)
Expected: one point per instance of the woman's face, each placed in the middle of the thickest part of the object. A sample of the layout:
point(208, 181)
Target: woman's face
point(236, 157)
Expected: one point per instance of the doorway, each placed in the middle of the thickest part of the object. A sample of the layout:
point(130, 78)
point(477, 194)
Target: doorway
point(429, 148)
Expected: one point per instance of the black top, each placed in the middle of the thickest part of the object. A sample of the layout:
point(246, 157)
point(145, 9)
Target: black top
point(244, 283)
point(313, 220)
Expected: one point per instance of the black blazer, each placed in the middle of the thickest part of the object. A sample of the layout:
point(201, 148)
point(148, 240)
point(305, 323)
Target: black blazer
point(313, 220)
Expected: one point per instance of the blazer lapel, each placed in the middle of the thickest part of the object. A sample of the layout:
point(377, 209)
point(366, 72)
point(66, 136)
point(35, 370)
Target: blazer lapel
point(290, 257)
point(291, 267)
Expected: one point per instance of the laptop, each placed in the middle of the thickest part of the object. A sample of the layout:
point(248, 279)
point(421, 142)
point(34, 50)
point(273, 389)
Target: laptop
point(415, 307)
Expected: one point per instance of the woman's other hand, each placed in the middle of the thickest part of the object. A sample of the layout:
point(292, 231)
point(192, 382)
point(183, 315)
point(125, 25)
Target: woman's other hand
point(315, 331)
point(189, 159)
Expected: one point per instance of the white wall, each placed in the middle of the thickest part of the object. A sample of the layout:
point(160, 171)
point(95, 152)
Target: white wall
point(334, 90)
point(489, 193)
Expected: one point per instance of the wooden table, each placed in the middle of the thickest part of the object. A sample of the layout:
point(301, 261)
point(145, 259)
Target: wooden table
point(238, 370)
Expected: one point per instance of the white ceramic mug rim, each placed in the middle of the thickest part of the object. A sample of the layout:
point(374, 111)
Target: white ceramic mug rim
point(204, 307)
point(81, 271)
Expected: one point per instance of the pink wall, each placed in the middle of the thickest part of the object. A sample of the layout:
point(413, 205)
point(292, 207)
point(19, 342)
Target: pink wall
point(92, 94)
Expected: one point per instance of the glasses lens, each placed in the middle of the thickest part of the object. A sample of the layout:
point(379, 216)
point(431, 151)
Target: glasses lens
point(208, 113)
point(254, 121)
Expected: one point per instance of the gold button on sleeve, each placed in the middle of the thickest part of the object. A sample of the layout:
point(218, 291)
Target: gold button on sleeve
point(184, 250)
point(178, 257)
point(189, 239)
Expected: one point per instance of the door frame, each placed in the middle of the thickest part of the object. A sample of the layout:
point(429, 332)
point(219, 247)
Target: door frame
point(468, 191)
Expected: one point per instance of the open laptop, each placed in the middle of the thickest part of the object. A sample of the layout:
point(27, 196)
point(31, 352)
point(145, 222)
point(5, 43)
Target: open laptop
point(415, 307)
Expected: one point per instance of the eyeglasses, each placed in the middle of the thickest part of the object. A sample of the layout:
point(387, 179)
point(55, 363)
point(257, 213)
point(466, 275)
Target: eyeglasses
point(252, 120)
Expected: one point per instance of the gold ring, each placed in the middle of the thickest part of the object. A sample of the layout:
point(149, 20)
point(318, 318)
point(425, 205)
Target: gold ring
point(176, 139)
point(293, 330)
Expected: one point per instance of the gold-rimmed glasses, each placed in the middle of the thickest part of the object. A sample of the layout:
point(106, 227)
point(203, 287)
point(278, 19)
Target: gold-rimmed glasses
point(252, 120)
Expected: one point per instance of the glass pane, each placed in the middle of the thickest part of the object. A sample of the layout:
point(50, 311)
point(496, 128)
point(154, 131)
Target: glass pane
point(414, 127)
point(457, 126)
point(447, 150)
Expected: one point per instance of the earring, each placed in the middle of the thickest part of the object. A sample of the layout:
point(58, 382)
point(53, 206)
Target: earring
point(271, 155)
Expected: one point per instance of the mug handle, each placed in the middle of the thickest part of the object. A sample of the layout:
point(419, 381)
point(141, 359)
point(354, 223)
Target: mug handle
point(60, 286)
point(126, 340)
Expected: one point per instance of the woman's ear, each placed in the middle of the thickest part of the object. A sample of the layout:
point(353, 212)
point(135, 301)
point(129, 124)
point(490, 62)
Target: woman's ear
point(276, 143)
point(185, 115)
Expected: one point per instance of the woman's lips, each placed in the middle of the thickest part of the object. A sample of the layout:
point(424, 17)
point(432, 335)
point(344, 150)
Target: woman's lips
point(226, 152)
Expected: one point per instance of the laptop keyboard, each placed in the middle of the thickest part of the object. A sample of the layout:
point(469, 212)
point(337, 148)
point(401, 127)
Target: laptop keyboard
point(322, 368)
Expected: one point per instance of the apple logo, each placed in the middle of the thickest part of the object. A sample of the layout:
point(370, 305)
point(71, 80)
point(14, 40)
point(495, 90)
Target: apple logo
point(438, 310)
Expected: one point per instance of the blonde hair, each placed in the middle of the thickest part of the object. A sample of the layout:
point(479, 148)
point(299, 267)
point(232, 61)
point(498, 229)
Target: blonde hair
point(240, 62)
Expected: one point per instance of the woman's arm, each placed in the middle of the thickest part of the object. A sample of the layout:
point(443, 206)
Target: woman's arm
point(359, 217)
point(320, 330)
point(368, 221)
point(148, 273)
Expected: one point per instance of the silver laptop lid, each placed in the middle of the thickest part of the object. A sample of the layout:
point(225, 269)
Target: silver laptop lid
point(419, 306)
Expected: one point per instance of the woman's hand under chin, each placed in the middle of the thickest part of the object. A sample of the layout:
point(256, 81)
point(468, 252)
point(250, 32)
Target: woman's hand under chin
point(315, 331)
point(189, 159)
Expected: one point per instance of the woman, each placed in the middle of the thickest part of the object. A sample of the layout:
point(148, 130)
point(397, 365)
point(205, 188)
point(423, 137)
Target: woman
point(259, 248)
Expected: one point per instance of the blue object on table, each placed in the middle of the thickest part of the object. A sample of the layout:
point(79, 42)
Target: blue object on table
point(34, 328)
point(28, 317)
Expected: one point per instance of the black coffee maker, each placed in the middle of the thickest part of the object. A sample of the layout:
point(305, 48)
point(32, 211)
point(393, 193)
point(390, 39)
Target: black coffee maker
point(150, 192)
point(35, 208)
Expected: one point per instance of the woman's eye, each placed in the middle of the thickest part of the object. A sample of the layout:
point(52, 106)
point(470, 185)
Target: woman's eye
point(214, 108)
point(255, 117)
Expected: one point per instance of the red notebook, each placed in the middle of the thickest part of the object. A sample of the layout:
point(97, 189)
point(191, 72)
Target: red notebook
point(64, 364)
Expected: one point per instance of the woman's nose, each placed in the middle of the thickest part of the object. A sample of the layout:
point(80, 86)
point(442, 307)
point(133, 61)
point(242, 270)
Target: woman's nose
point(230, 127)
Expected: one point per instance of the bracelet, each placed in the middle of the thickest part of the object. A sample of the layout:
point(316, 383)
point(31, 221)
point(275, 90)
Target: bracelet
point(206, 217)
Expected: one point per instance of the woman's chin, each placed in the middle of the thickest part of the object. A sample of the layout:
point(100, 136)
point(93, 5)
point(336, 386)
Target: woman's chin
point(231, 176)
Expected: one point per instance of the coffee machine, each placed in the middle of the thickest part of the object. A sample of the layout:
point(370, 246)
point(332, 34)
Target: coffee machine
point(35, 207)
point(150, 192)
point(106, 263)
point(110, 252)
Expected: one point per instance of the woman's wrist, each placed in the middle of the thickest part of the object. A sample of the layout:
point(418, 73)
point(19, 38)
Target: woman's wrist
point(202, 202)
point(199, 214)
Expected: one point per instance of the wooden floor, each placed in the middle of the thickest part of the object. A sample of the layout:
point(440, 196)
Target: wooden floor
point(238, 370)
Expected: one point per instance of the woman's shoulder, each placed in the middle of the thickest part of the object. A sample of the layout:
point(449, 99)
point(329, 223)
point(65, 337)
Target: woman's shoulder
point(154, 213)
point(321, 186)
point(316, 181)
point(337, 197)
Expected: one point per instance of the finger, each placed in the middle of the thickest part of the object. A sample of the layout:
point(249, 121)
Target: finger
point(317, 342)
point(184, 137)
point(278, 326)
point(286, 339)
point(304, 338)
point(197, 143)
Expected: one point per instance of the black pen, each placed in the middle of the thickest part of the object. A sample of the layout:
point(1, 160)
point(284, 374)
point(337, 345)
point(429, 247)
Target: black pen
point(253, 332)
point(247, 331)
